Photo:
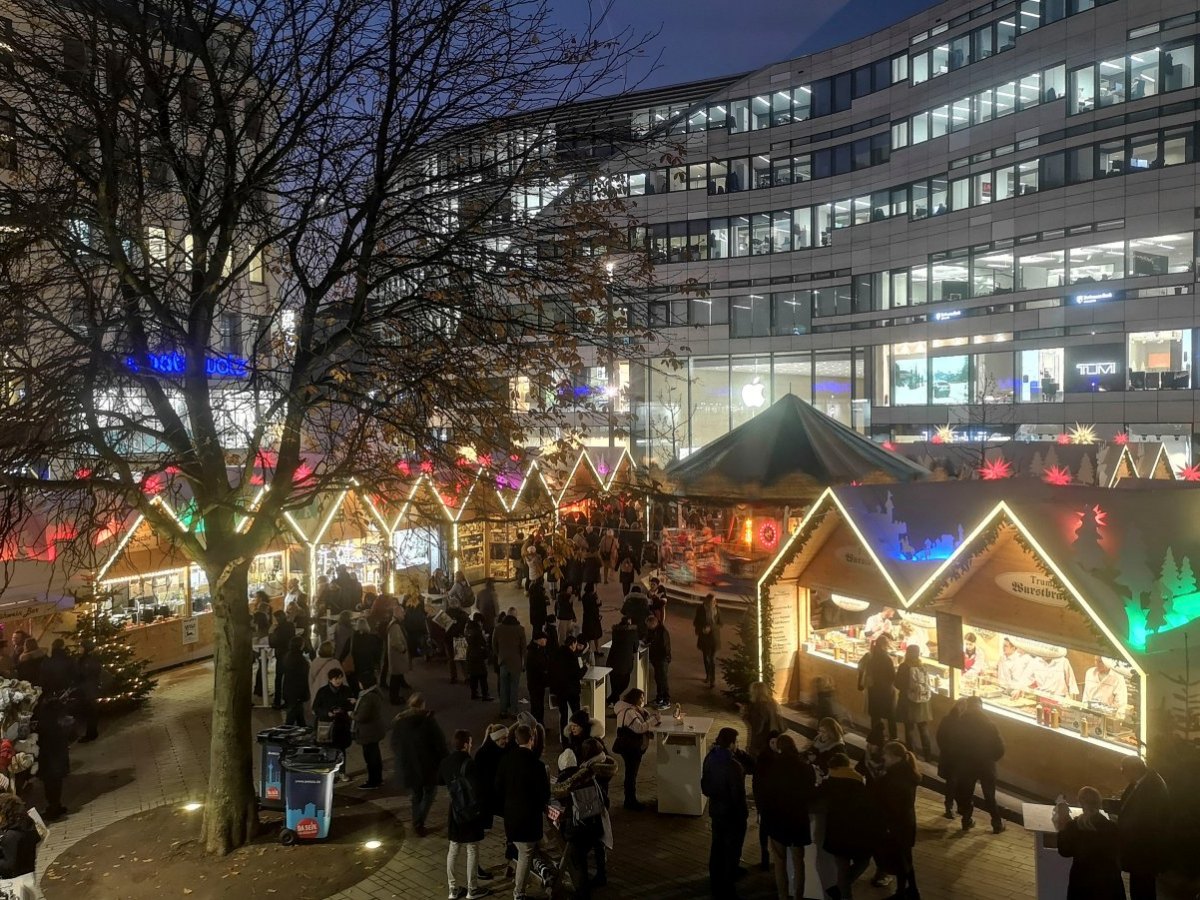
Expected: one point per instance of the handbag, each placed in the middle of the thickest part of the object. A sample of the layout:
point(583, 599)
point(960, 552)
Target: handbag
point(460, 649)
point(324, 733)
point(348, 664)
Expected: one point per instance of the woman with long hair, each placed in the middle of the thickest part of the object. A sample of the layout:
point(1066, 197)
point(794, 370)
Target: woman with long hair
point(830, 740)
point(896, 793)
point(762, 717)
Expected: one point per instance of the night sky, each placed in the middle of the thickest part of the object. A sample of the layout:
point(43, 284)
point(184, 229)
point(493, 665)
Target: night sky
point(705, 38)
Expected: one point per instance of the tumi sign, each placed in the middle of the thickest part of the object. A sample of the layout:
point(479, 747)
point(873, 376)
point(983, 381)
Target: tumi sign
point(1031, 586)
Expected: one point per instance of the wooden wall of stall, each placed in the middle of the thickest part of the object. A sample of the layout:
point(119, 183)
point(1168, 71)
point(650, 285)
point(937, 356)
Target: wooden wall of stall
point(161, 643)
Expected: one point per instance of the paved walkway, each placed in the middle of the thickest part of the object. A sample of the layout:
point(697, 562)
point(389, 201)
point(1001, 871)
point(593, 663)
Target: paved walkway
point(160, 755)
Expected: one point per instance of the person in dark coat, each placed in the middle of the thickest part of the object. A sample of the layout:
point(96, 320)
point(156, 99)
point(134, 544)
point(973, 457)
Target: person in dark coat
point(487, 763)
point(370, 727)
point(280, 640)
point(523, 790)
point(913, 705)
point(896, 794)
point(979, 748)
point(876, 676)
point(293, 689)
point(537, 674)
point(852, 830)
point(54, 752)
point(419, 747)
point(707, 625)
point(949, 752)
point(89, 671)
point(564, 611)
point(538, 606)
point(592, 628)
point(334, 704)
point(723, 782)
point(566, 679)
point(463, 829)
point(478, 652)
point(29, 663)
point(783, 794)
point(627, 571)
point(58, 669)
point(486, 604)
point(622, 658)
point(366, 650)
point(1092, 843)
point(658, 640)
point(1143, 827)
point(18, 838)
point(637, 607)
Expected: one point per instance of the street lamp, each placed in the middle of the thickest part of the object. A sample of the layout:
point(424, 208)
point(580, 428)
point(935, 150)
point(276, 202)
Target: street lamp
point(610, 373)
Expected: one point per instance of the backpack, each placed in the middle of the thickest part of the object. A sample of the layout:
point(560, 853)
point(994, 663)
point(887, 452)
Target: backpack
point(918, 686)
point(587, 804)
point(464, 800)
point(626, 565)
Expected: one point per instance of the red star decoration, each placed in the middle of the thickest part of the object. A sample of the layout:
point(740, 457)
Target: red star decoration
point(995, 469)
point(404, 467)
point(888, 445)
point(1121, 438)
point(1059, 475)
point(1191, 473)
point(1063, 439)
point(426, 466)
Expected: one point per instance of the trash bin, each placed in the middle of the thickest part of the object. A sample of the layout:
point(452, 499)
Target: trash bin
point(308, 774)
point(273, 743)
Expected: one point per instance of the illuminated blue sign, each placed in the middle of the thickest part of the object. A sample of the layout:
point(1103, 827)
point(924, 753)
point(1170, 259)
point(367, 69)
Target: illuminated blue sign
point(176, 363)
point(1087, 298)
point(948, 315)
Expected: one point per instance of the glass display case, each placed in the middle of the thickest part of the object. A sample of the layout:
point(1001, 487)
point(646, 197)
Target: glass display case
point(1055, 687)
point(843, 629)
point(142, 599)
point(471, 547)
point(266, 574)
point(363, 557)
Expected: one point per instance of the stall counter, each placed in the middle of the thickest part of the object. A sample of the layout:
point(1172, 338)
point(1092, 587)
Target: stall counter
point(172, 642)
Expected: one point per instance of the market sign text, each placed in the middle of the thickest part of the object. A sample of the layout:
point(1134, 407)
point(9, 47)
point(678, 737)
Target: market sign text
point(176, 364)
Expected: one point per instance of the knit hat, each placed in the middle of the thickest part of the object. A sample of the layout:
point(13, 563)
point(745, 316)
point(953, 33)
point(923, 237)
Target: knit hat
point(495, 731)
point(567, 760)
point(582, 718)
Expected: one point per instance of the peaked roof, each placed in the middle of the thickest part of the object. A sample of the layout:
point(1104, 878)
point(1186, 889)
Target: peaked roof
point(789, 452)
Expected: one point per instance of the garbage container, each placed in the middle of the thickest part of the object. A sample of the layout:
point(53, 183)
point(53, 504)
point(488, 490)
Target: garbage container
point(308, 774)
point(273, 743)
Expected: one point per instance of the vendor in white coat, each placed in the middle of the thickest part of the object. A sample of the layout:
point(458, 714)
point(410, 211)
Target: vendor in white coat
point(1105, 685)
point(880, 623)
point(1055, 676)
point(1015, 670)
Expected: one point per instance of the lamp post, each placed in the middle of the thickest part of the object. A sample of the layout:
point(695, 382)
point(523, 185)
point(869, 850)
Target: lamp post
point(610, 373)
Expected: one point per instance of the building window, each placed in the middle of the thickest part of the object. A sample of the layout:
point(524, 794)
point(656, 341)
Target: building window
point(749, 388)
point(708, 400)
point(791, 312)
point(1167, 254)
point(910, 374)
point(792, 374)
point(749, 316)
point(994, 378)
point(949, 380)
point(1160, 360)
point(1041, 270)
point(1040, 375)
point(708, 311)
point(991, 273)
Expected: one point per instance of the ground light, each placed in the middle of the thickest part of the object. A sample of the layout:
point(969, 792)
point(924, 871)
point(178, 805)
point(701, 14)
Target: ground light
point(373, 845)
point(192, 807)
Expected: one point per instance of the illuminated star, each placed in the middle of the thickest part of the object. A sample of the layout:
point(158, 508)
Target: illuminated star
point(1059, 475)
point(995, 469)
point(1083, 434)
point(1190, 473)
point(944, 435)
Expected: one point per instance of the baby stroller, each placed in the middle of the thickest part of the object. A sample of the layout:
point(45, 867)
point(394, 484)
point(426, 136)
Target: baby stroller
point(549, 862)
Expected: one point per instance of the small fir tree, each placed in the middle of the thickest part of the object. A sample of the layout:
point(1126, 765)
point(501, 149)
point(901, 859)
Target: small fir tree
point(1086, 473)
point(124, 683)
point(740, 669)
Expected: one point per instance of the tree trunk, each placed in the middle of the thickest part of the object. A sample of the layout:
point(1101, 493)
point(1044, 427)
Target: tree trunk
point(231, 810)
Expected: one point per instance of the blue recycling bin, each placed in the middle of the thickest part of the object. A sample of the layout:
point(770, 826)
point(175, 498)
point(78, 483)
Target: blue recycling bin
point(308, 774)
point(274, 743)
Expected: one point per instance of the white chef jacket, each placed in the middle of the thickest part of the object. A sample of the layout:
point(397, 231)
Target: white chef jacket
point(879, 624)
point(1015, 673)
point(1055, 676)
point(1110, 689)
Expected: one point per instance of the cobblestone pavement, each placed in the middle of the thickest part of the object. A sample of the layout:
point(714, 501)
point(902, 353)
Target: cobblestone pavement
point(160, 755)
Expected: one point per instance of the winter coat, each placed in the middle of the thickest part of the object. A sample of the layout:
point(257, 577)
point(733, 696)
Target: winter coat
point(18, 848)
point(761, 719)
point(599, 770)
point(566, 673)
point(637, 607)
point(622, 656)
point(522, 792)
point(659, 641)
point(419, 747)
point(723, 782)
point(1095, 860)
point(636, 720)
point(58, 672)
point(280, 638)
point(370, 726)
point(537, 607)
point(710, 642)
point(979, 745)
point(909, 710)
point(852, 826)
point(295, 678)
point(366, 649)
point(508, 644)
point(782, 792)
point(877, 677)
point(460, 765)
point(487, 607)
point(88, 672)
point(564, 607)
point(477, 650)
point(29, 666)
point(399, 660)
point(593, 626)
point(329, 699)
point(896, 793)
point(343, 633)
point(949, 752)
point(537, 666)
point(54, 744)
point(318, 674)
point(487, 764)
point(1142, 824)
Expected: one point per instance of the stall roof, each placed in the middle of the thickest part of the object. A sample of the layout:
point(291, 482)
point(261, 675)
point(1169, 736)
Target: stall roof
point(1127, 555)
point(789, 452)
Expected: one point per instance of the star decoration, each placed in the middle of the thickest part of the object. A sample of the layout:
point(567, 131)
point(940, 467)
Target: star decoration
point(1191, 473)
point(1059, 475)
point(944, 435)
point(888, 445)
point(1121, 438)
point(1063, 439)
point(995, 469)
point(1083, 434)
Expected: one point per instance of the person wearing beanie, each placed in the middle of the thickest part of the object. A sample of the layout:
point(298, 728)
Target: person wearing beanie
point(566, 679)
point(487, 763)
point(538, 664)
point(580, 727)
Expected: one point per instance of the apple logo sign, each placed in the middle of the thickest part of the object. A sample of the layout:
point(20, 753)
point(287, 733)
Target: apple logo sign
point(754, 394)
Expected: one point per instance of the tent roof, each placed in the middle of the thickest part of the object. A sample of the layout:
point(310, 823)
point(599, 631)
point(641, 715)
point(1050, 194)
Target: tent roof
point(787, 453)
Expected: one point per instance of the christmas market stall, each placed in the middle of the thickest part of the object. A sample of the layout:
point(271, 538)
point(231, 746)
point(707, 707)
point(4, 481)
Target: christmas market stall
point(736, 498)
point(342, 528)
point(1067, 609)
point(421, 536)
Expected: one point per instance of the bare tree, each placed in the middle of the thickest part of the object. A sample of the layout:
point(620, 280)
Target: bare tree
point(291, 241)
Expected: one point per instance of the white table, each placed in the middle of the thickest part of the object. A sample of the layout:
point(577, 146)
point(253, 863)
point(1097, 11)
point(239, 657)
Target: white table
point(679, 754)
point(1050, 871)
point(595, 693)
point(265, 655)
point(641, 670)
